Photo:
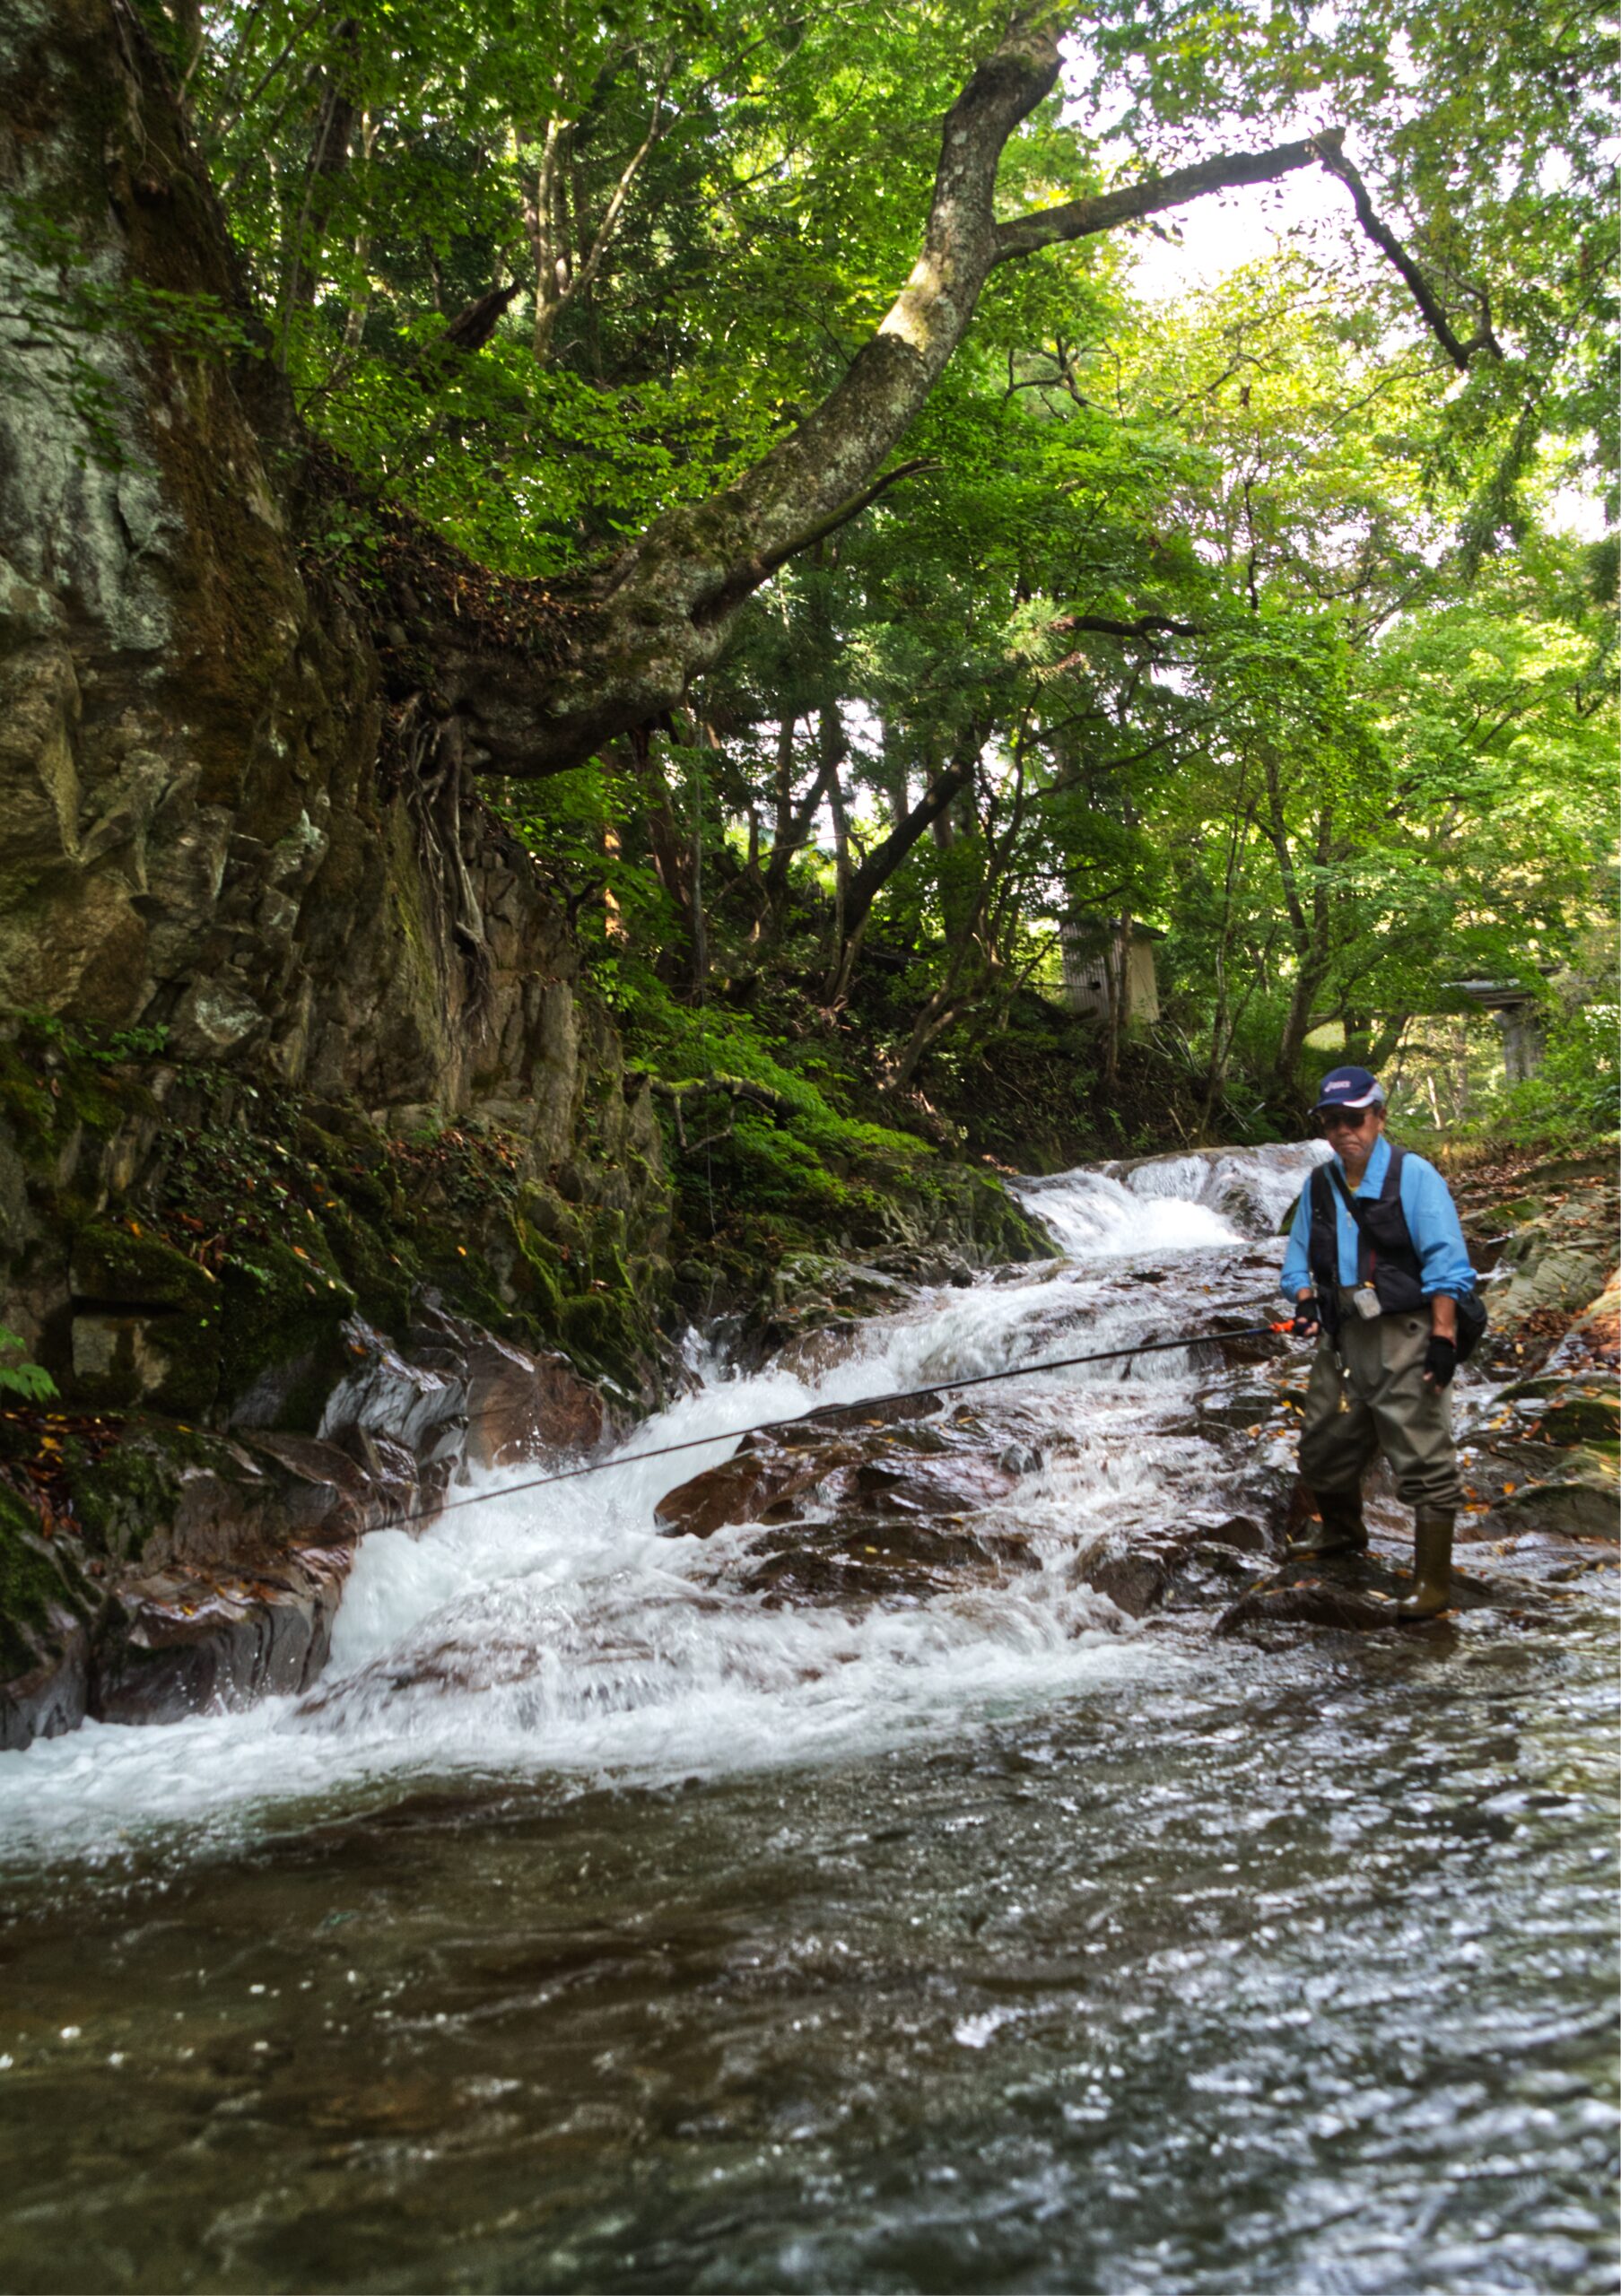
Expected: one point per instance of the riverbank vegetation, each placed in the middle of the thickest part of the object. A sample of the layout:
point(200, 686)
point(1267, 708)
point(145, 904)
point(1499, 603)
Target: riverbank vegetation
point(1268, 614)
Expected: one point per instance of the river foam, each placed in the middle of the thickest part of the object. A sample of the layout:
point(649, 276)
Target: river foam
point(556, 1630)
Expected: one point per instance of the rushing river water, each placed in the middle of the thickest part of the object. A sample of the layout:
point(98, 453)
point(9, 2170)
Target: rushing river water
point(597, 1926)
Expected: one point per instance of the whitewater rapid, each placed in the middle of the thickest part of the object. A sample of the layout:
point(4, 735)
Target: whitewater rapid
point(558, 1631)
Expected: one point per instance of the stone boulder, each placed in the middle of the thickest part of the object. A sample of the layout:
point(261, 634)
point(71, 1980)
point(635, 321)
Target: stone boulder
point(863, 1504)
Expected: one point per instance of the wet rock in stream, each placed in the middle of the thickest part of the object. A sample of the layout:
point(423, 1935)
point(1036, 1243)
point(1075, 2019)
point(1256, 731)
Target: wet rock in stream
point(175, 1644)
point(229, 1593)
point(1191, 1563)
point(218, 1561)
point(869, 1503)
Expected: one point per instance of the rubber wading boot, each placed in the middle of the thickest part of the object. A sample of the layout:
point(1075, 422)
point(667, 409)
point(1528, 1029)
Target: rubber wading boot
point(1432, 1564)
point(1341, 1531)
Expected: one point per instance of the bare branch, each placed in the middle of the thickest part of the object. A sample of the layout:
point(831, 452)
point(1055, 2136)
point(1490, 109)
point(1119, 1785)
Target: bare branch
point(621, 192)
point(1146, 630)
point(1079, 219)
point(1145, 625)
point(552, 298)
point(222, 126)
point(733, 1088)
point(1460, 353)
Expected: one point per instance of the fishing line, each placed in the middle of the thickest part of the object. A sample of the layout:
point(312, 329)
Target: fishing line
point(827, 1411)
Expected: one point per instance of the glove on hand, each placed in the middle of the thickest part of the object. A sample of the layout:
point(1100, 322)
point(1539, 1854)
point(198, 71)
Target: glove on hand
point(1440, 1360)
point(1308, 1316)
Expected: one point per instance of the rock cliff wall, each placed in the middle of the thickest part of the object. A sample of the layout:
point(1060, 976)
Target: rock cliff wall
point(296, 1052)
point(319, 1170)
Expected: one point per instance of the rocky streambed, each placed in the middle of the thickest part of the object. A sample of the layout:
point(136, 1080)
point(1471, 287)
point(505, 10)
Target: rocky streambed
point(175, 1568)
point(924, 1844)
point(862, 1508)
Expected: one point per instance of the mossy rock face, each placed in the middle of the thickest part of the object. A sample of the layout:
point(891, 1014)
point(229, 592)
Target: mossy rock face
point(128, 1493)
point(607, 1331)
point(127, 1265)
point(52, 1084)
point(140, 1308)
point(971, 1214)
point(1581, 1499)
point(121, 1361)
point(37, 1585)
point(1562, 1169)
point(215, 1287)
point(381, 1278)
point(279, 1339)
point(26, 1103)
point(535, 1272)
point(1584, 1414)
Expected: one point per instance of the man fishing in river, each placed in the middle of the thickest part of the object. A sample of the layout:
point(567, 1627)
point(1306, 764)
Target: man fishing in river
point(1376, 1267)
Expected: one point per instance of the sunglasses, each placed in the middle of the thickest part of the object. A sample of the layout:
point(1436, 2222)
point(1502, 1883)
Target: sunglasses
point(1352, 1118)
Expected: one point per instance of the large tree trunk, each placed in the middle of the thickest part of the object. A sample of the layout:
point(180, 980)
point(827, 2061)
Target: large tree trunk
point(1309, 908)
point(617, 648)
point(795, 822)
point(674, 861)
point(1297, 1024)
point(614, 657)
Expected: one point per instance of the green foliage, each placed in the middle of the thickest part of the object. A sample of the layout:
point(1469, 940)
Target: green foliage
point(29, 1382)
point(1252, 618)
point(810, 1154)
point(1575, 1096)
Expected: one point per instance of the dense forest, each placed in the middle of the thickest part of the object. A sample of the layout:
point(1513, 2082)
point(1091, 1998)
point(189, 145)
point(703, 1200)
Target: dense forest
point(860, 590)
point(1253, 614)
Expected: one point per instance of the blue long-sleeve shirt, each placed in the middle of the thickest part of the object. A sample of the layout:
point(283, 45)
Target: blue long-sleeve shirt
point(1431, 1221)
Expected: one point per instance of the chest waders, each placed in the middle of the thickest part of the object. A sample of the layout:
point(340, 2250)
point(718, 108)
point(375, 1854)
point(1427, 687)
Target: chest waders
point(1390, 1283)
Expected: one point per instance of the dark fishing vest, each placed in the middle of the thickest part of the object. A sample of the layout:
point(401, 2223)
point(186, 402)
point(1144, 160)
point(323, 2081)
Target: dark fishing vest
point(1386, 1257)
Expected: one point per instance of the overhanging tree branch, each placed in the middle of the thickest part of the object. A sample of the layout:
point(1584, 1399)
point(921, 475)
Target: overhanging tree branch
point(1147, 629)
point(658, 613)
point(1460, 353)
point(764, 565)
point(720, 1086)
point(1080, 218)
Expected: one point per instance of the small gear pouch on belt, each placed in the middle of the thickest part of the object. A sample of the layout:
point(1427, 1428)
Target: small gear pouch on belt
point(1364, 1298)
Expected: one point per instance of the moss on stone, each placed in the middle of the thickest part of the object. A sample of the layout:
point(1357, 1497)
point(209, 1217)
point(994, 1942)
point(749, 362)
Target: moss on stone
point(127, 1264)
point(281, 1314)
point(54, 1078)
point(538, 1274)
point(34, 1582)
point(606, 1330)
point(130, 1491)
point(381, 1275)
point(25, 1099)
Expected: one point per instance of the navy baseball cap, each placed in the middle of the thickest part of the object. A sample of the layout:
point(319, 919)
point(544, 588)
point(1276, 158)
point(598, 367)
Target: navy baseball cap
point(1349, 1088)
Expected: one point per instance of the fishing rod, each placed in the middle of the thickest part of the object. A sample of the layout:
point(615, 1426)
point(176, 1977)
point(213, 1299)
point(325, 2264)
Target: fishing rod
point(830, 1410)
